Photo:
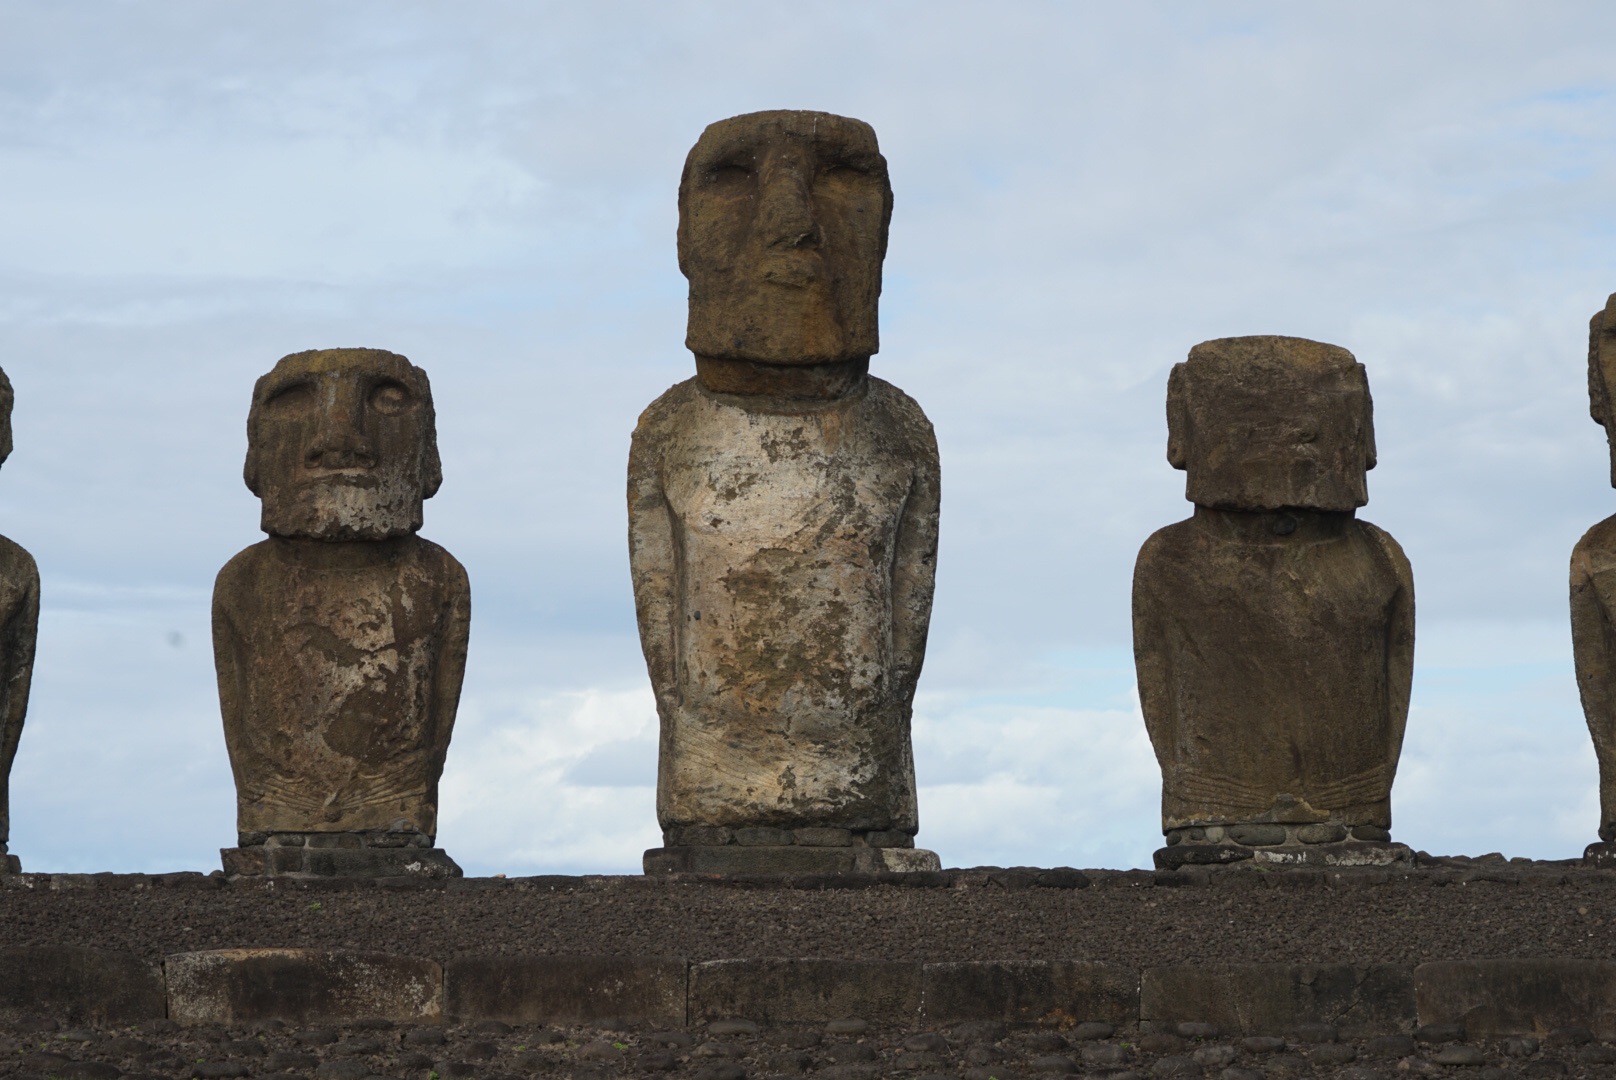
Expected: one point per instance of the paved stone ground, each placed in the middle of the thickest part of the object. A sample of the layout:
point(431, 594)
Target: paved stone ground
point(735, 1050)
point(1460, 909)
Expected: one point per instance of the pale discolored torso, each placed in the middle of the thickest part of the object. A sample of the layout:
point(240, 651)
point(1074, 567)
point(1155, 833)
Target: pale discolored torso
point(783, 569)
point(339, 676)
point(1276, 667)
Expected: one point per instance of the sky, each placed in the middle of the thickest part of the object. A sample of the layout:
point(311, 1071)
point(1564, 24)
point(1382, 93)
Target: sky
point(189, 191)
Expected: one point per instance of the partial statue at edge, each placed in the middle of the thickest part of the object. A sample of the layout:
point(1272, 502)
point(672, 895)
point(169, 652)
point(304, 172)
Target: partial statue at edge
point(1593, 596)
point(1273, 629)
point(19, 628)
point(340, 641)
point(783, 509)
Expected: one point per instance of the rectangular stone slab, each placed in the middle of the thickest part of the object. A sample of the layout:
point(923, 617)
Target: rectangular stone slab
point(805, 991)
point(1274, 999)
point(230, 986)
point(1046, 993)
point(91, 986)
point(565, 989)
point(1518, 997)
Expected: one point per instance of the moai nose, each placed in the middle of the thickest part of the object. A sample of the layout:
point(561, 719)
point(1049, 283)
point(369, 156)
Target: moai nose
point(340, 441)
point(786, 206)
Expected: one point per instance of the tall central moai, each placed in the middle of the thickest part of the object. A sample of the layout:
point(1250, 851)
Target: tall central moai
point(1273, 630)
point(783, 518)
point(340, 641)
point(1593, 594)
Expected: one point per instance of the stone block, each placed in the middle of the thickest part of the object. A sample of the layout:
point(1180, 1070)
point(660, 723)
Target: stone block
point(806, 991)
point(322, 861)
point(1518, 997)
point(1048, 993)
point(302, 986)
point(735, 859)
point(80, 985)
point(565, 989)
point(1276, 999)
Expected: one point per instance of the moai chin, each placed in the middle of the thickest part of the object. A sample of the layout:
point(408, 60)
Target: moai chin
point(340, 642)
point(783, 518)
point(19, 627)
point(1273, 630)
point(1593, 596)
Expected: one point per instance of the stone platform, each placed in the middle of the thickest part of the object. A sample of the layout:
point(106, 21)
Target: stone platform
point(338, 855)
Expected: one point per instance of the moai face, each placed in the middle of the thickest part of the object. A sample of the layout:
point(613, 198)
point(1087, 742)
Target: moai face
point(1269, 423)
point(782, 228)
point(341, 445)
point(1602, 373)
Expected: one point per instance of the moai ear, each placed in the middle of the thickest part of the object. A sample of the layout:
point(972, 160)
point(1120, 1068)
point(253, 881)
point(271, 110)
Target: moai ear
point(1178, 418)
point(1368, 421)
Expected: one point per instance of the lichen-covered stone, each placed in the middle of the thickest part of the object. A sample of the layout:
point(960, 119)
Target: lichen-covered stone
point(340, 641)
point(1273, 630)
point(783, 504)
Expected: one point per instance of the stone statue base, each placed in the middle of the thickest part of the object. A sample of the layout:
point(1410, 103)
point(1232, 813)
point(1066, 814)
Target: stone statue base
point(788, 860)
point(711, 849)
point(1276, 844)
point(348, 855)
point(1600, 856)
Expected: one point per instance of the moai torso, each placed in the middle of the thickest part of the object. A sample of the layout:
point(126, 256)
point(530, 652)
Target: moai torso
point(797, 620)
point(340, 642)
point(340, 684)
point(783, 517)
point(1273, 631)
point(1593, 597)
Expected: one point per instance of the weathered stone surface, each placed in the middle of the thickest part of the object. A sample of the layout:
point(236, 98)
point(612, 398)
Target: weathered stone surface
point(302, 986)
point(1593, 583)
point(340, 642)
point(805, 991)
point(1490, 998)
point(82, 986)
point(783, 504)
point(19, 627)
point(1277, 999)
point(1051, 993)
point(565, 989)
point(360, 861)
point(1273, 631)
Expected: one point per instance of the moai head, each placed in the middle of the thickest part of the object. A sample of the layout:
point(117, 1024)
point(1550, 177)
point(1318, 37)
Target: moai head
point(342, 445)
point(1601, 373)
point(8, 397)
point(782, 228)
point(1269, 423)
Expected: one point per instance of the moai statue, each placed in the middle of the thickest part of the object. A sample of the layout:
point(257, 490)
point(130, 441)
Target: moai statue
point(783, 518)
point(340, 642)
point(19, 626)
point(1593, 596)
point(1273, 630)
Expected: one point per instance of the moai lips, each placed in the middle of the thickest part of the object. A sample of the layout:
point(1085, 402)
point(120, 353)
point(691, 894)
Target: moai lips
point(1273, 631)
point(340, 641)
point(19, 627)
point(783, 517)
point(1593, 596)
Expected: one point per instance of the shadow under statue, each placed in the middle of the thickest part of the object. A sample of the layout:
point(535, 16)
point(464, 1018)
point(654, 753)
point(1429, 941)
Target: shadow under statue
point(783, 511)
point(340, 641)
point(1273, 630)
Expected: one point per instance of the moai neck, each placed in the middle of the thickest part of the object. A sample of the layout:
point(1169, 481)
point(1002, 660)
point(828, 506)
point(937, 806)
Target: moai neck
point(782, 383)
point(339, 555)
point(1289, 526)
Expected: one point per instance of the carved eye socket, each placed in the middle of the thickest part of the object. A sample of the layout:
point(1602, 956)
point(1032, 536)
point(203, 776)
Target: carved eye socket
point(729, 176)
point(389, 398)
point(293, 397)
